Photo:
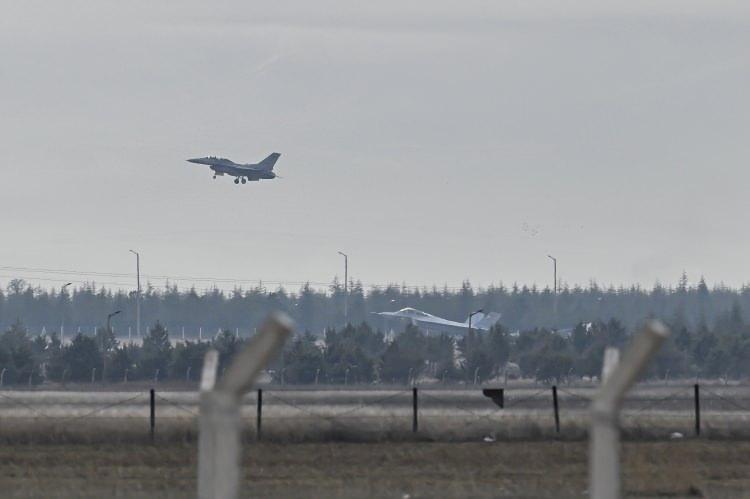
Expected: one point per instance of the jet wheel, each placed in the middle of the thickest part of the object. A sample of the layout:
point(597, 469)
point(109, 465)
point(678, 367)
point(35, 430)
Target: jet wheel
point(236, 181)
point(243, 180)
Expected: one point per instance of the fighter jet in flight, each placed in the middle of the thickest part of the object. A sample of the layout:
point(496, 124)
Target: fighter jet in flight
point(243, 173)
point(432, 323)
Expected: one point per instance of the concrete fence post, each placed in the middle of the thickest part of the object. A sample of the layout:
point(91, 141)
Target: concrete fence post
point(611, 359)
point(604, 435)
point(219, 439)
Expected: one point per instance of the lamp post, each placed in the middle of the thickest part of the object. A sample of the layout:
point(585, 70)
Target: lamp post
point(109, 319)
point(62, 323)
point(554, 271)
point(554, 287)
point(346, 286)
point(138, 293)
point(102, 338)
point(471, 315)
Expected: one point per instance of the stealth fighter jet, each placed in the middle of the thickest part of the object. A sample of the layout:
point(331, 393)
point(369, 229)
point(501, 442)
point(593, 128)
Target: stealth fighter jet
point(432, 323)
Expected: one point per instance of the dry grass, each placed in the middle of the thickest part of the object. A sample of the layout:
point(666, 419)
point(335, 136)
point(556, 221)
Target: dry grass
point(509, 469)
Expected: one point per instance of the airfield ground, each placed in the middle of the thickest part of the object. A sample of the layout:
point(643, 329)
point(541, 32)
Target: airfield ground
point(683, 468)
point(359, 443)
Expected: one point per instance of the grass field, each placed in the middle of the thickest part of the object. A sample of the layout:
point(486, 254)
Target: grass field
point(502, 469)
point(359, 443)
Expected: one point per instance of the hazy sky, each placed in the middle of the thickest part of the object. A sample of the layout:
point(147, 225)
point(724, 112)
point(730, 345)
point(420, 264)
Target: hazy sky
point(432, 141)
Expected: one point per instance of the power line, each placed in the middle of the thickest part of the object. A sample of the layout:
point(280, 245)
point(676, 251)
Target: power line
point(205, 279)
point(35, 278)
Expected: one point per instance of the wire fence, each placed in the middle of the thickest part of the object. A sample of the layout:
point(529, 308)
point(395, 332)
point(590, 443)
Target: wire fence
point(393, 413)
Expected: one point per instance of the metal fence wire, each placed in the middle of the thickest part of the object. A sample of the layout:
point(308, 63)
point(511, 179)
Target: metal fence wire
point(726, 410)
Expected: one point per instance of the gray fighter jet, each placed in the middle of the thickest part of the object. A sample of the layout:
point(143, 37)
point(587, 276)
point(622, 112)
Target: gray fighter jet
point(243, 173)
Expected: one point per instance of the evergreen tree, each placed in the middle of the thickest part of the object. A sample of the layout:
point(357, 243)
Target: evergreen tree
point(155, 353)
point(81, 357)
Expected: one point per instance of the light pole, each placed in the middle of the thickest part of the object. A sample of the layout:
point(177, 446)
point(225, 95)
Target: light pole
point(554, 287)
point(109, 319)
point(346, 286)
point(102, 339)
point(137, 293)
point(554, 271)
point(62, 323)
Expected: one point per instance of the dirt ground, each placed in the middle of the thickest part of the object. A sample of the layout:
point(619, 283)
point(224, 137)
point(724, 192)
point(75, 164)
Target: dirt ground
point(502, 469)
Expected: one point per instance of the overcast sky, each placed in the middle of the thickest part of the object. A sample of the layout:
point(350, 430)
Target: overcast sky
point(432, 141)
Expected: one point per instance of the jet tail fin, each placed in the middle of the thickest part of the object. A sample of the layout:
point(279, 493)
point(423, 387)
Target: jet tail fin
point(268, 163)
point(488, 320)
point(475, 319)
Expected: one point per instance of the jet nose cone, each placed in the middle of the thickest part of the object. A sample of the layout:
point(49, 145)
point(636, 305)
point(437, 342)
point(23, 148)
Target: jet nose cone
point(194, 160)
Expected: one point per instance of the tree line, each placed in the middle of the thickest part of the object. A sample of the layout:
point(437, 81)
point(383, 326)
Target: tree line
point(522, 307)
point(363, 354)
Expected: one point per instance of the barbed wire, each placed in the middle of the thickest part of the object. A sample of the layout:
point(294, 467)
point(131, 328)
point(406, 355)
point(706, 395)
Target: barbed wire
point(478, 417)
point(41, 415)
point(177, 405)
point(525, 399)
point(308, 412)
point(341, 415)
point(726, 399)
point(575, 395)
point(670, 396)
point(104, 408)
point(22, 404)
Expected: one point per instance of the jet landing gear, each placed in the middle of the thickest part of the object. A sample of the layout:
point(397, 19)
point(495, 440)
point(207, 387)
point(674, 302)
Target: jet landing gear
point(236, 181)
point(214, 177)
point(243, 180)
